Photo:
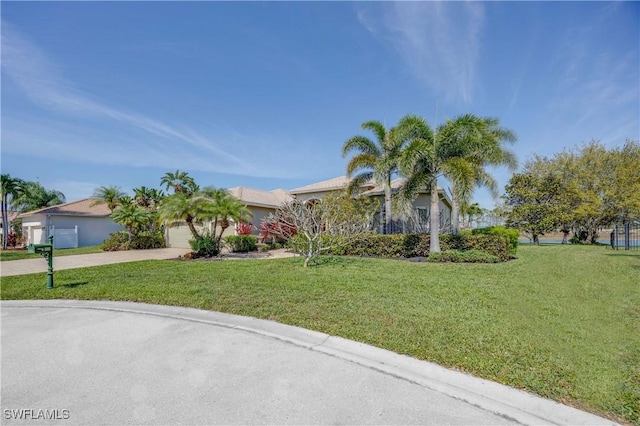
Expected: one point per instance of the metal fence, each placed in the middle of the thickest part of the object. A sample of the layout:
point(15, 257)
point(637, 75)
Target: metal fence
point(417, 222)
point(626, 236)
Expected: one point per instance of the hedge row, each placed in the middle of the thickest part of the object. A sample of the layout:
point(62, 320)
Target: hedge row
point(511, 234)
point(417, 245)
point(121, 240)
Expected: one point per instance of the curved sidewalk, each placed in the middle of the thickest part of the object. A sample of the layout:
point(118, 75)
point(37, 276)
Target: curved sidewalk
point(98, 362)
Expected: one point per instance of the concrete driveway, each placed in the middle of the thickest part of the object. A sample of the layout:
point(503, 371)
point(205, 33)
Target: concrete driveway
point(93, 362)
point(30, 266)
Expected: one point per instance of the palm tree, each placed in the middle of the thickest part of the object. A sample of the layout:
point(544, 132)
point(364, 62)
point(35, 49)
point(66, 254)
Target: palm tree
point(109, 195)
point(459, 149)
point(179, 182)
point(131, 216)
point(478, 142)
point(472, 211)
point(34, 196)
point(179, 207)
point(375, 160)
point(147, 197)
point(9, 187)
point(220, 207)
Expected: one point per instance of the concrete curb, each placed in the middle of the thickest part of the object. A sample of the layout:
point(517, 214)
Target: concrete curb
point(505, 401)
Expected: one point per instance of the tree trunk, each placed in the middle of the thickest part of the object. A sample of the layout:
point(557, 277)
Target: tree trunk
point(5, 224)
point(455, 214)
point(192, 228)
point(224, 224)
point(434, 243)
point(536, 239)
point(387, 206)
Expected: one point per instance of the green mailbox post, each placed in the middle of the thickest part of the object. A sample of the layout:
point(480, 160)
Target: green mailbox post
point(46, 250)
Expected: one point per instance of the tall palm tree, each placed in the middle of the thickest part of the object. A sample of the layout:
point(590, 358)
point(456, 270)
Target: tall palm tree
point(458, 149)
point(34, 196)
point(109, 195)
point(476, 143)
point(375, 161)
point(9, 187)
point(179, 182)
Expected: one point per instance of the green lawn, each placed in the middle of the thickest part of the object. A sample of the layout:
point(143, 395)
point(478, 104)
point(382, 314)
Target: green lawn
point(560, 321)
point(6, 255)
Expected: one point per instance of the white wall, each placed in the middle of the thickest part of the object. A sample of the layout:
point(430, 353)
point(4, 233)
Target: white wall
point(91, 230)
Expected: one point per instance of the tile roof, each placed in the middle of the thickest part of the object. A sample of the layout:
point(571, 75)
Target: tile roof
point(396, 184)
point(75, 208)
point(260, 198)
point(373, 189)
point(336, 183)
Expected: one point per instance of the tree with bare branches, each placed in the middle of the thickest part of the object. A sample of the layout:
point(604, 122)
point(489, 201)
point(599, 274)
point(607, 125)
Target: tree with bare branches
point(323, 224)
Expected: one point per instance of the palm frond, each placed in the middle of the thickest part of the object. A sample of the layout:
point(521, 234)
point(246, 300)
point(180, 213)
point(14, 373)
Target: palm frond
point(377, 128)
point(356, 184)
point(361, 161)
point(362, 144)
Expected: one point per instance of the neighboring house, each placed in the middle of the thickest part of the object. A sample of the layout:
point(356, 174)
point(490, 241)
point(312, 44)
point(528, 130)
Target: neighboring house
point(75, 224)
point(260, 203)
point(414, 219)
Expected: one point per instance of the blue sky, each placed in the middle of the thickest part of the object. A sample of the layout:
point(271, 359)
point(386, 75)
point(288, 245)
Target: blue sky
point(265, 94)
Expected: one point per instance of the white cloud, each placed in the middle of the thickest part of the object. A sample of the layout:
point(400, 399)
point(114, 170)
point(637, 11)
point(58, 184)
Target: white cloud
point(26, 65)
point(439, 41)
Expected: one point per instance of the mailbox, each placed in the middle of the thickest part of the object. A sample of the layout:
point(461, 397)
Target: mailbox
point(40, 248)
point(46, 251)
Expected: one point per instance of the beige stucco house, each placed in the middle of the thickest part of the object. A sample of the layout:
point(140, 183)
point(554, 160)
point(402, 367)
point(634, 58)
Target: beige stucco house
point(412, 219)
point(260, 203)
point(75, 224)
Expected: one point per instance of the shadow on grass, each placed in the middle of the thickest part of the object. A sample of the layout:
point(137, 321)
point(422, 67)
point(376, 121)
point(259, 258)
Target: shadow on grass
point(625, 253)
point(73, 285)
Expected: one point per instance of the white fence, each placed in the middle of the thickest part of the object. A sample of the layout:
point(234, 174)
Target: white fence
point(64, 238)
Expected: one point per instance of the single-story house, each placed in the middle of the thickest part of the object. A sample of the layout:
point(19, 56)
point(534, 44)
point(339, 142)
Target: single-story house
point(75, 224)
point(260, 203)
point(414, 219)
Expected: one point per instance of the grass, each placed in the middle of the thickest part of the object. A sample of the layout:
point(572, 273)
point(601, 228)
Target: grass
point(560, 321)
point(7, 255)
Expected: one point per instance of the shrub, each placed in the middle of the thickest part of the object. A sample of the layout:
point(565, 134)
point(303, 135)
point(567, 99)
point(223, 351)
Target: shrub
point(512, 235)
point(275, 232)
point(205, 245)
point(116, 241)
point(244, 228)
point(147, 240)
point(12, 239)
point(242, 243)
point(417, 245)
point(463, 256)
point(121, 240)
